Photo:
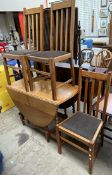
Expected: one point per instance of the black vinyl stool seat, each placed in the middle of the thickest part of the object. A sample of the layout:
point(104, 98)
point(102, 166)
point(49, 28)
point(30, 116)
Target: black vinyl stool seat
point(82, 124)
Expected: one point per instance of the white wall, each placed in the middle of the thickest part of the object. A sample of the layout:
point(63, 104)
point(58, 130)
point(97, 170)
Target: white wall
point(18, 5)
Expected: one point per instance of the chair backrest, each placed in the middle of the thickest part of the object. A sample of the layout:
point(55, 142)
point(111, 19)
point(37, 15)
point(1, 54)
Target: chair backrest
point(33, 28)
point(62, 26)
point(91, 82)
point(87, 55)
point(103, 58)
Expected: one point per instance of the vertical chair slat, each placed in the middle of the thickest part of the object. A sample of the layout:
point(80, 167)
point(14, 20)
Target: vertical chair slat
point(80, 85)
point(41, 28)
point(33, 37)
point(57, 26)
point(51, 29)
point(98, 97)
point(91, 96)
point(85, 94)
point(37, 34)
point(29, 32)
point(72, 28)
point(72, 70)
point(61, 31)
point(66, 30)
point(25, 29)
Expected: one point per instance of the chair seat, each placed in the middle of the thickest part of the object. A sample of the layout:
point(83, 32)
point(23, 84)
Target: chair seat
point(82, 124)
point(21, 52)
point(48, 54)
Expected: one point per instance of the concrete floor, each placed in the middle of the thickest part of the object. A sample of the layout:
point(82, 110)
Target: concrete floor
point(26, 152)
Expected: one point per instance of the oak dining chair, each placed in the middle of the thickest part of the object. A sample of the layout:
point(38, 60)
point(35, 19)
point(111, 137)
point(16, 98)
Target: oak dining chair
point(82, 130)
point(33, 21)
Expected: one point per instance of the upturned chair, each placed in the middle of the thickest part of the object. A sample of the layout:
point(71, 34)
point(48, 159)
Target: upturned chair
point(83, 130)
point(33, 21)
point(61, 44)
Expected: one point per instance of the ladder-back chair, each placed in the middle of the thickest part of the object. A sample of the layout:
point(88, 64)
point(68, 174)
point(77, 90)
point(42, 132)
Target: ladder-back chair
point(33, 21)
point(82, 130)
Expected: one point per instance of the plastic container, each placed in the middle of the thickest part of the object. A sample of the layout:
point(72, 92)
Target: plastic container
point(88, 42)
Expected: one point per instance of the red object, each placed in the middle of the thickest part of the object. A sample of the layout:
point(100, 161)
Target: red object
point(20, 17)
point(3, 44)
point(1, 49)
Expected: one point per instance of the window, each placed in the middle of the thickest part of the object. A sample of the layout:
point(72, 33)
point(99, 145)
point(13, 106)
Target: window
point(86, 8)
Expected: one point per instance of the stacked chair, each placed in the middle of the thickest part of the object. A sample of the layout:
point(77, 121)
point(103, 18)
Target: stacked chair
point(38, 95)
point(33, 20)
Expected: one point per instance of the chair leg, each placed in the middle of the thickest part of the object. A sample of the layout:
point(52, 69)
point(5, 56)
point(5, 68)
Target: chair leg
point(22, 118)
point(73, 107)
point(91, 158)
point(47, 134)
point(65, 111)
point(102, 136)
point(58, 134)
point(93, 112)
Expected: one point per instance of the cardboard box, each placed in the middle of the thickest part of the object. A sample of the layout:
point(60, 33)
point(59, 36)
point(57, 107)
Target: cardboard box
point(3, 80)
point(5, 101)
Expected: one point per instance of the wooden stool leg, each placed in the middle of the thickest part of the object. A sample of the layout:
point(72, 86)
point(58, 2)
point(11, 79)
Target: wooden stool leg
point(58, 134)
point(91, 158)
